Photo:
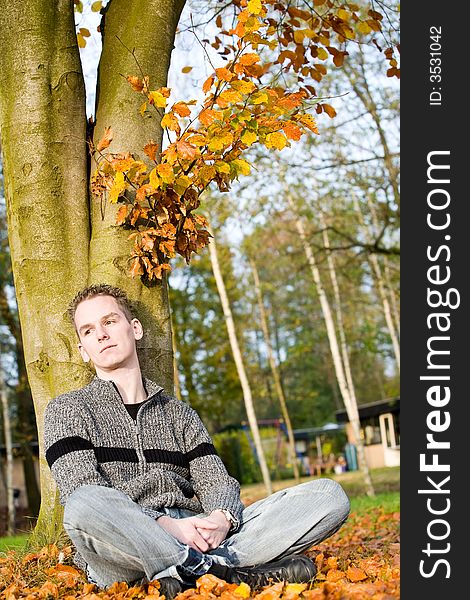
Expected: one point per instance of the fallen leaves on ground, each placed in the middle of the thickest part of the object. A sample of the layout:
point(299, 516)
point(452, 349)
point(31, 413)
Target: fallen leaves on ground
point(360, 562)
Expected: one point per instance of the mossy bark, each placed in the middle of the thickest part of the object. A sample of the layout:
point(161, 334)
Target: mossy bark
point(58, 242)
point(146, 35)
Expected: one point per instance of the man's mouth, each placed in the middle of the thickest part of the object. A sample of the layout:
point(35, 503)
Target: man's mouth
point(107, 347)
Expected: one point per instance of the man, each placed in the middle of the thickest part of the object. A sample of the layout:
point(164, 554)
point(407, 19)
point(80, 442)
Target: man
point(146, 495)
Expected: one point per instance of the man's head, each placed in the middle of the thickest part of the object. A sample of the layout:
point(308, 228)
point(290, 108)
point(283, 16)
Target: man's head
point(106, 329)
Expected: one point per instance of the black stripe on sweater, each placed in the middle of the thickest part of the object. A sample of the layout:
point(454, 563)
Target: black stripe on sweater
point(66, 445)
point(169, 457)
point(204, 449)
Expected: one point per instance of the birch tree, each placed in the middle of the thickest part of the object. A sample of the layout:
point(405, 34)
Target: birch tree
point(237, 356)
point(349, 401)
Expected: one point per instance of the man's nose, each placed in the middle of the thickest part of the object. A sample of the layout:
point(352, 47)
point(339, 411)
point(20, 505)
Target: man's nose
point(101, 333)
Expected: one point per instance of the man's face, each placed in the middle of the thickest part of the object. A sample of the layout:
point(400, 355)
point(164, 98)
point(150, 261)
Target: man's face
point(106, 336)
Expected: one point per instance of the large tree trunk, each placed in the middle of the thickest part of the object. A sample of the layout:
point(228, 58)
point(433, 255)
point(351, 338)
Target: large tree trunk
point(148, 30)
point(43, 130)
point(349, 403)
point(275, 370)
point(237, 356)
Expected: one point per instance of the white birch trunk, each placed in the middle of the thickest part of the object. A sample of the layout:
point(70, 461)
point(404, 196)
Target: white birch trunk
point(9, 455)
point(350, 405)
point(250, 410)
point(374, 262)
point(275, 370)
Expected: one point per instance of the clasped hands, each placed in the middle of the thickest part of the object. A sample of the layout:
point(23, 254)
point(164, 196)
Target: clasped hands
point(200, 533)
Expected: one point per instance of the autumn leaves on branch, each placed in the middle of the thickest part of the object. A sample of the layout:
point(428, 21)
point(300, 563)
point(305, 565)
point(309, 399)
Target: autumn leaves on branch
point(158, 198)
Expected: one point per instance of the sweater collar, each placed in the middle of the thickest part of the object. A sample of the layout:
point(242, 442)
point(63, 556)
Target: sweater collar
point(104, 385)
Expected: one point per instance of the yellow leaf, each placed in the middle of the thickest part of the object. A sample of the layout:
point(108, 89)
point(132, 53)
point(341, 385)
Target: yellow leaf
point(254, 7)
point(157, 99)
point(309, 122)
point(119, 185)
point(170, 122)
point(143, 108)
point(186, 70)
point(166, 172)
point(81, 40)
point(228, 96)
point(243, 590)
point(343, 14)
point(96, 6)
point(294, 588)
point(181, 184)
point(276, 140)
point(222, 167)
point(364, 27)
point(244, 87)
point(221, 141)
point(84, 31)
point(299, 35)
point(248, 137)
point(241, 166)
point(154, 179)
point(322, 54)
point(259, 98)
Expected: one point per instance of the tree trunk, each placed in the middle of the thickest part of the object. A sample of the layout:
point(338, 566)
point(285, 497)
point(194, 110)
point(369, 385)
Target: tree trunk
point(377, 272)
point(11, 522)
point(250, 410)
point(26, 426)
point(349, 403)
point(274, 369)
point(148, 30)
point(58, 242)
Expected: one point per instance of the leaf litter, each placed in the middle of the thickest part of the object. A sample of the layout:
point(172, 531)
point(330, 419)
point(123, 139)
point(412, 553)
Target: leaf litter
point(360, 562)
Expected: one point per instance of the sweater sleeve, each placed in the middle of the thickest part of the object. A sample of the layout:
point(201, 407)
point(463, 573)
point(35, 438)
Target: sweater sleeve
point(69, 450)
point(212, 484)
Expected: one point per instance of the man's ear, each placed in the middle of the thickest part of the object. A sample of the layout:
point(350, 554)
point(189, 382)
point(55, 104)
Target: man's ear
point(138, 329)
point(83, 353)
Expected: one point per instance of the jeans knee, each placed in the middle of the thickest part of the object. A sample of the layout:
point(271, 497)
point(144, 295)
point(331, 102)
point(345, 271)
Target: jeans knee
point(340, 500)
point(77, 506)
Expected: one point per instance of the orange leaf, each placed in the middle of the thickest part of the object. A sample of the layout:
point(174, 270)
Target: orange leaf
point(137, 84)
point(121, 215)
point(207, 84)
point(354, 574)
point(186, 151)
point(335, 575)
point(151, 149)
point(182, 109)
point(250, 58)
point(208, 116)
point(292, 131)
point(330, 111)
point(105, 140)
point(224, 74)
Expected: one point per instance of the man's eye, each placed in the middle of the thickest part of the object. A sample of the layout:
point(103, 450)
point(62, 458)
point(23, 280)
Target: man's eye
point(87, 331)
point(109, 321)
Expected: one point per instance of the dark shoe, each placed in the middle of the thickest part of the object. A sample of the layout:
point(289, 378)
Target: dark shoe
point(170, 587)
point(294, 569)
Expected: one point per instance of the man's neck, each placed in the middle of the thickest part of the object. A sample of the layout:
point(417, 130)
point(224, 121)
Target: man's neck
point(128, 382)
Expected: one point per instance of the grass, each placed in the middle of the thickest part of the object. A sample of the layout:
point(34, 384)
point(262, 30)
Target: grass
point(389, 501)
point(15, 542)
point(385, 481)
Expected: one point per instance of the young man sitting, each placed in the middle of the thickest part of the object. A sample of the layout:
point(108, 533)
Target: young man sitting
point(146, 496)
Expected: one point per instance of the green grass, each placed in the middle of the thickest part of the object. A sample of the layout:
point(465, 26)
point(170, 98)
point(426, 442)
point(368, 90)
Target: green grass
point(389, 501)
point(15, 542)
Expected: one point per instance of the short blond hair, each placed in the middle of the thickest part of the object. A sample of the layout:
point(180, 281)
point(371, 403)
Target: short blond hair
point(101, 289)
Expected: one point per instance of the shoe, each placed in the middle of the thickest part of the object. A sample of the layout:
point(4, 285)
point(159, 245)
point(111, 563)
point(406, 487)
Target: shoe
point(294, 569)
point(170, 587)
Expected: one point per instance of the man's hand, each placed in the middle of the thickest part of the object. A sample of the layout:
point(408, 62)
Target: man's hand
point(188, 530)
point(214, 537)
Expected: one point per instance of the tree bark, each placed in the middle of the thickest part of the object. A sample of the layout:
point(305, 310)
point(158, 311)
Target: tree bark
point(11, 522)
point(144, 34)
point(58, 243)
point(237, 356)
point(274, 370)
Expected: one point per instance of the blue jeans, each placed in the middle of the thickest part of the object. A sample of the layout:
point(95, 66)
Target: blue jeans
point(121, 543)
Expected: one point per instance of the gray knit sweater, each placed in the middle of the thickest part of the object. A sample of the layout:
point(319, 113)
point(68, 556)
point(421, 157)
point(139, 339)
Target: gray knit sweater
point(164, 458)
